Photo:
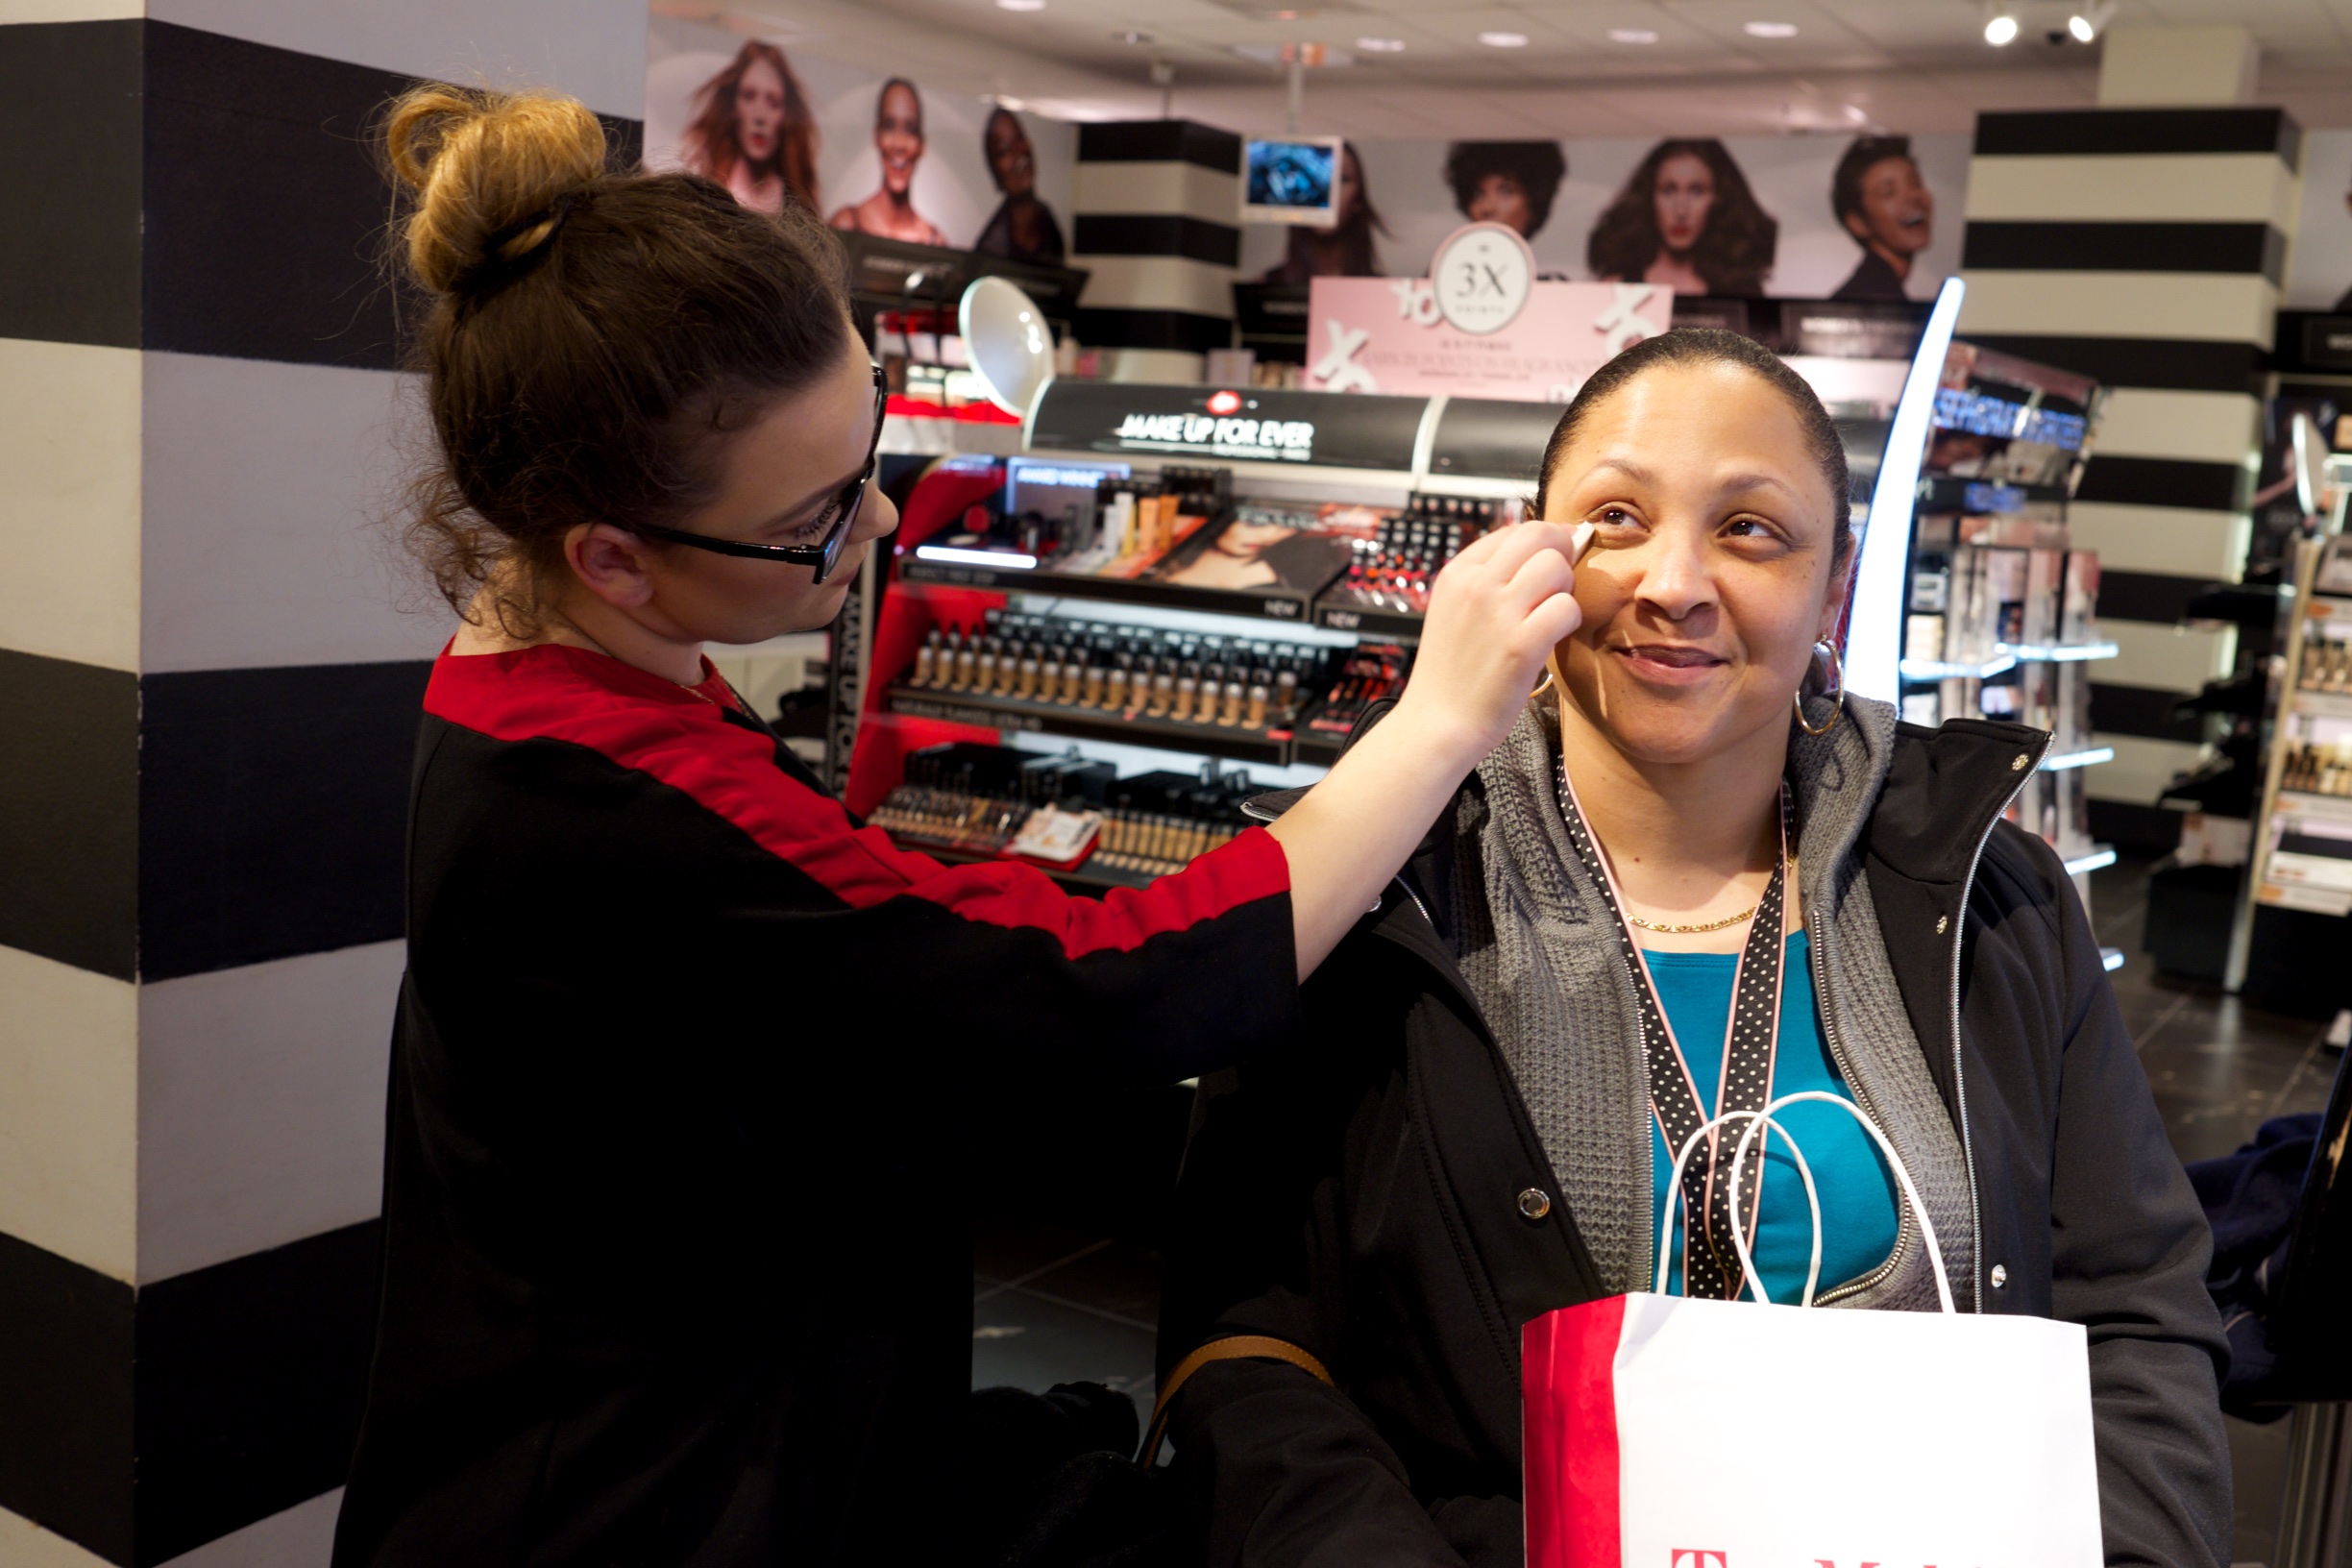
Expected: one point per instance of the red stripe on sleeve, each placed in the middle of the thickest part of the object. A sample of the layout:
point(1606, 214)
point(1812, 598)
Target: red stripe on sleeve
point(655, 727)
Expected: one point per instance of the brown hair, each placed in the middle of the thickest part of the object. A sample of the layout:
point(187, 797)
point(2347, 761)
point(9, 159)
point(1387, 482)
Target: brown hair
point(595, 337)
point(1708, 346)
point(711, 139)
point(1735, 250)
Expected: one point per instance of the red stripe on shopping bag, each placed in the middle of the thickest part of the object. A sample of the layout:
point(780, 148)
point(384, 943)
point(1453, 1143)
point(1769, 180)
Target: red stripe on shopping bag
point(1568, 1363)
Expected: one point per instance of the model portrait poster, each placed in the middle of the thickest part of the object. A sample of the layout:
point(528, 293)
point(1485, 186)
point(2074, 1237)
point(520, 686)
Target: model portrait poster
point(864, 150)
point(1808, 217)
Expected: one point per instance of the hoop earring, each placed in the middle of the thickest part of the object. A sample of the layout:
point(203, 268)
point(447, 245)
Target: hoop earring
point(1551, 673)
point(1835, 692)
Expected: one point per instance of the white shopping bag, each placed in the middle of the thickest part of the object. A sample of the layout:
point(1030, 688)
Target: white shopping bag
point(1668, 1433)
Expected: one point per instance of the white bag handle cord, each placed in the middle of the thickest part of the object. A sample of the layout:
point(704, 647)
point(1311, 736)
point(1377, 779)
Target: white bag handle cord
point(1935, 1253)
point(1758, 1119)
point(1675, 1194)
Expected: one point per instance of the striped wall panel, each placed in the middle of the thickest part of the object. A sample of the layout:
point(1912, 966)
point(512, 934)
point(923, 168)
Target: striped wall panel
point(209, 674)
point(2142, 247)
point(1157, 208)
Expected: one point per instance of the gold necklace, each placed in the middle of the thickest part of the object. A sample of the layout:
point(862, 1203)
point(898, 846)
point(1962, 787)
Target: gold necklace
point(1692, 930)
point(1705, 925)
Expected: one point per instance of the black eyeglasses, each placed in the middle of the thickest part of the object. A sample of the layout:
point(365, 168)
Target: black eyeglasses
point(842, 510)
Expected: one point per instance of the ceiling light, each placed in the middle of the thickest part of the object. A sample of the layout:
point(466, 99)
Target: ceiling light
point(1503, 40)
point(1631, 35)
point(1856, 114)
point(1131, 36)
point(1020, 4)
point(1381, 46)
point(2000, 29)
point(2089, 20)
point(1770, 30)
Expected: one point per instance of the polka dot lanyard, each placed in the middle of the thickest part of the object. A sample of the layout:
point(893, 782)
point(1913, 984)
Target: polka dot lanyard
point(1750, 1043)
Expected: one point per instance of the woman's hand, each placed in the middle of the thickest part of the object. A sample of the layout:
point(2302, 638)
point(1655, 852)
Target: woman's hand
point(1495, 613)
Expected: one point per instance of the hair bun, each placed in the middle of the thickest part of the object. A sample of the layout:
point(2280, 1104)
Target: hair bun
point(487, 170)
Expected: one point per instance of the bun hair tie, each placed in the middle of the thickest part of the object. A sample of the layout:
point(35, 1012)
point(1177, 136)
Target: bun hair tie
point(521, 242)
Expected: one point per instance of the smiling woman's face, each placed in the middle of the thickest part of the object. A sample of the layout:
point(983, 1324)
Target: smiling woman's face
point(898, 138)
point(1708, 580)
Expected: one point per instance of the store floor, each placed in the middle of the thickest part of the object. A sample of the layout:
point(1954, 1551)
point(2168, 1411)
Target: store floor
point(1067, 1285)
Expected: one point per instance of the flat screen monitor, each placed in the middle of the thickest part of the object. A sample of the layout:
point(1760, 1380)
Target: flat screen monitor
point(1293, 179)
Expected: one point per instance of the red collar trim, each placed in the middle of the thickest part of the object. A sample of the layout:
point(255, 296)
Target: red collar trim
point(539, 690)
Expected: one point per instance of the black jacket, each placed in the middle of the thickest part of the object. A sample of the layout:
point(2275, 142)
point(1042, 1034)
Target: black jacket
point(677, 1265)
point(1359, 1197)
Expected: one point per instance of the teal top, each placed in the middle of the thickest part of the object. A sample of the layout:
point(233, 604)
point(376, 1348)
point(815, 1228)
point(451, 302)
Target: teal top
point(1857, 1193)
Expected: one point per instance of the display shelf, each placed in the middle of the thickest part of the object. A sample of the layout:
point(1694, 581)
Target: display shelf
point(2283, 874)
point(1362, 618)
point(2058, 652)
point(2337, 808)
point(1257, 604)
point(1085, 877)
point(1926, 669)
point(1322, 751)
point(2099, 856)
point(2323, 704)
point(2059, 762)
point(992, 712)
point(1951, 493)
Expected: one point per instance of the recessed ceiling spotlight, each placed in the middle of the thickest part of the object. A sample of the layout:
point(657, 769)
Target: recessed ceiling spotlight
point(1381, 46)
point(1856, 114)
point(1631, 35)
point(2088, 21)
point(1770, 30)
point(1131, 36)
point(1503, 40)
point(2000, 29)
point(1020, 4)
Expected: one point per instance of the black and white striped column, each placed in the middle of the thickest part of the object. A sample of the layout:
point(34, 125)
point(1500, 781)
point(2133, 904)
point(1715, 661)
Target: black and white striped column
point(2142, 247)
point(207, 700)
point(1157, 208)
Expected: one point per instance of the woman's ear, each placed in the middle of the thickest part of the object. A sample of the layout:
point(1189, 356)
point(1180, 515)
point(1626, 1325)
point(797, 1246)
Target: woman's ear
point(1841, 584)
point(611, 563)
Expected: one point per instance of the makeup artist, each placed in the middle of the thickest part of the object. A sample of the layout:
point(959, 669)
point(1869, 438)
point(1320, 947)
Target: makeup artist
point(676, 1271)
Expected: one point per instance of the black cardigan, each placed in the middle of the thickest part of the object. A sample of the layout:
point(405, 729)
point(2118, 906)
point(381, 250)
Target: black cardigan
point(1358, 1197)
point(677, 1263)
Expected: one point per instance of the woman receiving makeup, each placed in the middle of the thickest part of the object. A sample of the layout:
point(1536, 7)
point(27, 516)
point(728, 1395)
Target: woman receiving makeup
point(676, 1262)
point(1695, 875)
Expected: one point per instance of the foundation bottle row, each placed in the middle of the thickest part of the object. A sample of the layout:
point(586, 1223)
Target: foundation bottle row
point(2319, 770)
point(1228, 683)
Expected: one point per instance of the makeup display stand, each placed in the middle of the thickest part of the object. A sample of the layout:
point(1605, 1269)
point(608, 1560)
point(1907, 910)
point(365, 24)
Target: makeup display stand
point(2000, 611)
point(1014, 560)
point(2299, 894)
